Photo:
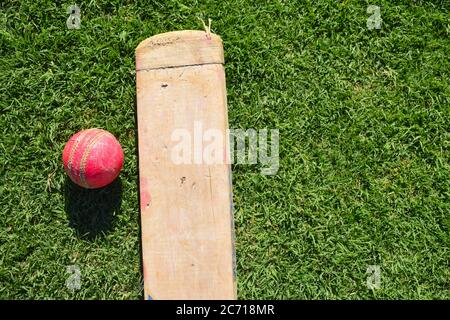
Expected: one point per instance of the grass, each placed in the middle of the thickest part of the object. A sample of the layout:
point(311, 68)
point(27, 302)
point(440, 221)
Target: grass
point(364, 145)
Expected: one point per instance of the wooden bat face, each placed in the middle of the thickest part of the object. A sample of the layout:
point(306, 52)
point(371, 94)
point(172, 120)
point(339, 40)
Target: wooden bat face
point(186, 206)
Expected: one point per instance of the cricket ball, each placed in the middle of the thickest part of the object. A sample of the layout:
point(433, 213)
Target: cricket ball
point(93, 158)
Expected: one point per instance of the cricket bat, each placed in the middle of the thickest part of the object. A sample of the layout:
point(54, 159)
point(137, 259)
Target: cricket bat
point(187, 227)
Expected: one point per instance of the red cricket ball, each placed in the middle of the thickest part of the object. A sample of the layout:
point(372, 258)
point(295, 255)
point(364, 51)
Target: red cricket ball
point(93, 158)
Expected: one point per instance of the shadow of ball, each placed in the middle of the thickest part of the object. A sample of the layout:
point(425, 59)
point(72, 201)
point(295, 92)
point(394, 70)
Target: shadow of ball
point(91, 212)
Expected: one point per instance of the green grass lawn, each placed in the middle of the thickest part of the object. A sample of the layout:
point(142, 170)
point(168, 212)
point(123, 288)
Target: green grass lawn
point(363, 115)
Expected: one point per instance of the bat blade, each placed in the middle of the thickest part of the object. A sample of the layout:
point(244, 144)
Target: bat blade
point(185, 197)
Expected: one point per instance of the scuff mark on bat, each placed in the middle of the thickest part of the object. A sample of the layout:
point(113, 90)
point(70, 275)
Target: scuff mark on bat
point(146, 197)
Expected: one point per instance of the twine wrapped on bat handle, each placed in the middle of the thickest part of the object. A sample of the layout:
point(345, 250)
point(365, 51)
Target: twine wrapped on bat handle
point(207, 27)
